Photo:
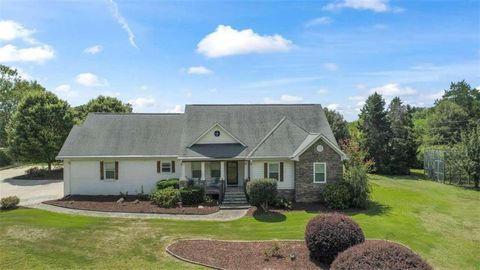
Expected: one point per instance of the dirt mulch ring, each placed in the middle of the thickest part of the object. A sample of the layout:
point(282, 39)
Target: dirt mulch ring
point(244, 255)
point(130, 205)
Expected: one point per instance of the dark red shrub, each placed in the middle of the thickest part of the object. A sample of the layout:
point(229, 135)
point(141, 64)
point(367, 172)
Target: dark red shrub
point(328, 235)
point(379, 254)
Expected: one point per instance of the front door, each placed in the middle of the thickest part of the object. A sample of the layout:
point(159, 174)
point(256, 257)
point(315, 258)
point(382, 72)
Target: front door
point(232, 173)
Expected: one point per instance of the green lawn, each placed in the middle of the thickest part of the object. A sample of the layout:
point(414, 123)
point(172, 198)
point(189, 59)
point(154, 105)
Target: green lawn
point(438, 221)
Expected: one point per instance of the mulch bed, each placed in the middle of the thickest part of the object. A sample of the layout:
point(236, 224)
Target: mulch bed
point(307, 207)
point(109, 204)
point(244, 255)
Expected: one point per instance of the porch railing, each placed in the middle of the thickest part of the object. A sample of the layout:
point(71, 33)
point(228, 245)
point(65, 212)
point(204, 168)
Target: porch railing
point(212, 186)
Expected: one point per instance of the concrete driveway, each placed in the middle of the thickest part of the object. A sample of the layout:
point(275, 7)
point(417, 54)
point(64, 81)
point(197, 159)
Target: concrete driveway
point(29, 191)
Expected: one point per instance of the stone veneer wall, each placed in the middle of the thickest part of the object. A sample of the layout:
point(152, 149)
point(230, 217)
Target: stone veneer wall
point(305, 189)
point(287, 193)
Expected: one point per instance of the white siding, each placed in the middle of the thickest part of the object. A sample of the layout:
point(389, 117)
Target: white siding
point(256, 171)
point(209, 137)
point(84, 177)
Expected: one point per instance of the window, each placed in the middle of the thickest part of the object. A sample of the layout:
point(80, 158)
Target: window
point(109, 170)
point(196, 170)
point(166, 166)
point(274, 171)
point(319, 172)
point(216, 133)
point(215, 169)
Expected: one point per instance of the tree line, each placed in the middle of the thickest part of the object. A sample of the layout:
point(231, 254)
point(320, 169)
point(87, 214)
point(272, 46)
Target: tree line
point(34, 122)
point(396, 136)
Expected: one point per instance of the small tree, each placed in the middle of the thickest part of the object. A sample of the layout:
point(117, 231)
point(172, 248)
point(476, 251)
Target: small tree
point(471, 142)
point(261, 192)
point(356, 174)
point(39, 127)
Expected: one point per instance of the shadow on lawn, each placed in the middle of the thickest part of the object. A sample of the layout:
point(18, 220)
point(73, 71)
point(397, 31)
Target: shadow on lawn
point(375, 209)
point(269, 216)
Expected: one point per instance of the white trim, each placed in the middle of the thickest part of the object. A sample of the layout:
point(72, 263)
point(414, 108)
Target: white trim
point(115, 157)
point(324, 173)
point(166, 162)
point(210, 129)
point(319, 136)
point(105, 171)
point(268, 170)
point(266, 136)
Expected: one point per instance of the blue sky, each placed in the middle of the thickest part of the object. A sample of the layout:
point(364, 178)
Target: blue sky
point(160, 55)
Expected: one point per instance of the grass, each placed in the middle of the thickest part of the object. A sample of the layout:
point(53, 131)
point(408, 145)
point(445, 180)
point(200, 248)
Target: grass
point(438, 221)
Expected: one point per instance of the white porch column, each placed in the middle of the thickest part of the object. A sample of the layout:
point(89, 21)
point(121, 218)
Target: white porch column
point(222, 170)
point(183, 175)
point(203, 171)
point(245, 170)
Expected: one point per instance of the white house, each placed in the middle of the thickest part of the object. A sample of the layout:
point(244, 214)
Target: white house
point(231, 144)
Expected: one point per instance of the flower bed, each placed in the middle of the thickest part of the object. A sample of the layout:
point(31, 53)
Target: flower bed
point(245, 255)
point(130, 205)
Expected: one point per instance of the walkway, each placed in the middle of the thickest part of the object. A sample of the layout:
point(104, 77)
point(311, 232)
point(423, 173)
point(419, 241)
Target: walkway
point(222, 215)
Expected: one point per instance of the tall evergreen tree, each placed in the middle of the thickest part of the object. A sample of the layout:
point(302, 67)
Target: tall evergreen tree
point(338, 124)
point(373, 123)
point(402, 143)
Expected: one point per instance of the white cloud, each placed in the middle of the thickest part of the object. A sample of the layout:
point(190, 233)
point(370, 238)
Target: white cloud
point(199, 70)
point(322, 91)
point(109, 93)
point(175, 109)
point(373, 5)
point(142, 102)
point(22, 73)
point(65, 91)
point(335, 107)
point(10, 30)
point(284, 99)
point(90, 79)
point(227, 41)
point(330, 66)
point(39, 54)
point(393, 89)
point(319, 21)
point(361, 86)
point(93, 50)
point(121, 20)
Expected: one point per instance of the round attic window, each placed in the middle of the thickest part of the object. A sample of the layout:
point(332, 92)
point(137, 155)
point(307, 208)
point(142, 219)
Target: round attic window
point(319, 148)
point(216, 133)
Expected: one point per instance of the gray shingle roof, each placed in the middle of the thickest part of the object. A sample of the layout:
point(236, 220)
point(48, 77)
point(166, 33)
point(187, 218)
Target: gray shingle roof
point(111, 134)
point(107, 134)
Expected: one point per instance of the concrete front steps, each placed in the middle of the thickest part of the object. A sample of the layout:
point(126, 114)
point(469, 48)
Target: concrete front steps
point(234, 199)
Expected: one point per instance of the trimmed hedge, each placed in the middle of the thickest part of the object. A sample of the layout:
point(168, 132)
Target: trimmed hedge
point(10, 202)
point(327, 235)
point(337, 196)
point(261, 192)
point(379, 254)
point(192, 195)
point(168, 197)
point(166, 183)
point(37, 172)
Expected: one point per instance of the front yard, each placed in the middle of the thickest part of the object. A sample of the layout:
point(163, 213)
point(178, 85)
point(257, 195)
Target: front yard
point(438, 221)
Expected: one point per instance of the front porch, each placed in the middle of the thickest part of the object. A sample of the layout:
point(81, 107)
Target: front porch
point(225, 178)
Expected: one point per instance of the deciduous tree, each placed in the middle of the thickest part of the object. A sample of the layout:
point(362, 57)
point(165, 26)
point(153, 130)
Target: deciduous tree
point(338, 124)
point(100, 104)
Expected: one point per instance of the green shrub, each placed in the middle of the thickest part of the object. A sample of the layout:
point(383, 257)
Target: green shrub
point(37, 172)
point(168, 197)
point(261, 192)
point(10, 202)
point(282, 202)
point(337, 196)
point(5, 160)
point(166, 183)
point(192, 195)
point(356, 179)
